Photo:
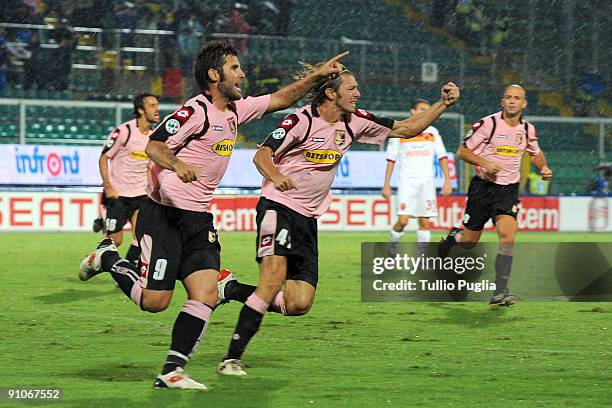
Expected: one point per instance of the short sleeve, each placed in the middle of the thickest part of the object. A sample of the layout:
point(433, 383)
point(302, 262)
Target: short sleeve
point(251, 108)
point(479, 134)
point(288, 131)
point(439, 146)
point(533, 147)
point(178, 126)
point(369, 128)
point(393, 149)
point(115, 140)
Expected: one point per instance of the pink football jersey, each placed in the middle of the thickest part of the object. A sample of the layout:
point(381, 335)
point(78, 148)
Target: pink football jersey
point(200, 134)
point(125, 147)
point(493, 139)
point(308, 149)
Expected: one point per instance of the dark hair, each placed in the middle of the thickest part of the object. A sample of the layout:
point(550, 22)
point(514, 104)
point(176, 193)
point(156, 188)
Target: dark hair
point(416, 103)
point(212, 56)
point(139, 102)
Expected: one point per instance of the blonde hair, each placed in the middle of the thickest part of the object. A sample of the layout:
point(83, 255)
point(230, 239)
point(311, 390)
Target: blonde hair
point(316, 94)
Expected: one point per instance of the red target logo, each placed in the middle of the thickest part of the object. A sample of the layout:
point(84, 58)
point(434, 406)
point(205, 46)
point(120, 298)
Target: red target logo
point(54, 164)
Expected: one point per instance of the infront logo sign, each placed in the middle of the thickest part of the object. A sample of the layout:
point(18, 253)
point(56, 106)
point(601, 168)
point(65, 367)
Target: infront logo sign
point(52, 163)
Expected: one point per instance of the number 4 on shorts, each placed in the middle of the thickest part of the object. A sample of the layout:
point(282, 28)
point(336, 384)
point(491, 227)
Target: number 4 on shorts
point(283, 238)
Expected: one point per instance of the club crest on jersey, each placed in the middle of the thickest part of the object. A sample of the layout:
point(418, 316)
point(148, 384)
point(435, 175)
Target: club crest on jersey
point(519, 138)
point(278, 133)
point(224, 147)
point(322, 156)
point(212, 237)
point(232, 125)
point(340, 138)
point(172, 126)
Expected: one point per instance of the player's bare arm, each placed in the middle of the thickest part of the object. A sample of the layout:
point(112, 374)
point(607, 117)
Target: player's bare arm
point(106, 183)
point(468, 156)
point(415, 124)
point(288, 95)
point(386, 190)
point(163, 157)
point(265, 166)
point(539, 160)
point(446, 187)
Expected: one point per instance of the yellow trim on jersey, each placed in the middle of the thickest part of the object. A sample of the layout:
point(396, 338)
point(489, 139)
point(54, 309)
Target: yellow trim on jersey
point(224, 147)
point(423, 137)
point(510, 151)
point(139, 155)
point(322, 156)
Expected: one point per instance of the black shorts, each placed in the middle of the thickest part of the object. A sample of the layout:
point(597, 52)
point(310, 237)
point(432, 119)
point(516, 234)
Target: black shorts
point(486, 200)
point(282, 231)
point(175, 243)
point(120, 210)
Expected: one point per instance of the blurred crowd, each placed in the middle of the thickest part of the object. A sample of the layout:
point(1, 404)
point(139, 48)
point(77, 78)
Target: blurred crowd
point(24, 62)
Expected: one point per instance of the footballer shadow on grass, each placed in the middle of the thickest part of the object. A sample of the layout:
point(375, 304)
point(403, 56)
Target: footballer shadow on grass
point(472, 315)
point(72, 295)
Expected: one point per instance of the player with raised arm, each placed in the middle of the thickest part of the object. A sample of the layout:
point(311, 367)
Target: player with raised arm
point(190, 149)
point(123, 168)
point(298, 162)
point(495, 146)
point(416, 189)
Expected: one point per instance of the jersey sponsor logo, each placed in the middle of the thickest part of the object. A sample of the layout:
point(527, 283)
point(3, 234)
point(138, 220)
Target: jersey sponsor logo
point(362, 113)
point(417, 153)
point(224, 147)
point(340, 138)
point(218, 128)
point(509, 151)
point(172, 126)
point(139, 155)
point(278, 133)
point(322, 156)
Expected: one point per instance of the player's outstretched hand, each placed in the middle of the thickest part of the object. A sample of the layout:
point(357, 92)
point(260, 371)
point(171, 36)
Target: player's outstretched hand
point(386, 192)
point(450, 94)
point(186, 172)
point(332, 66)
point(546, 173)
point(284, 183)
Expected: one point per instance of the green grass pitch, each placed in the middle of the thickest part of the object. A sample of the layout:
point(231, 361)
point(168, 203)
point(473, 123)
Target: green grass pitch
point(87, 338)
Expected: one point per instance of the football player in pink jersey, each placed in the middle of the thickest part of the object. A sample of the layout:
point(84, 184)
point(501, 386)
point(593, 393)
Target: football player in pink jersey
point(495, 146)
point(190, 149)
point(123, 168)
point(298, 162)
